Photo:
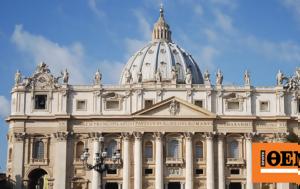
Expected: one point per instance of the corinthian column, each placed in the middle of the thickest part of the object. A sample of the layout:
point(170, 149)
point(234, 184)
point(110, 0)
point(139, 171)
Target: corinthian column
point(189, 161)
point(18, 149)
point(221, 161)
point(96, 182)
point(249, 183)
point(158, 161)
point(126, 161)
point(137, 160)
point(210, 161)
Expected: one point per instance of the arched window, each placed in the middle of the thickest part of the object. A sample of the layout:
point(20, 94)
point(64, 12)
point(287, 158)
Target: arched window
point(79, 149)
point(173, 149)
point(111, 148)
point(148, 150)
point(10, 155)
point(234, 149)
point(38, 149)
point(199, 149)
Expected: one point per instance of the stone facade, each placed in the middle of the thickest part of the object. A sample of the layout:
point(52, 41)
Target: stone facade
point(188, 134)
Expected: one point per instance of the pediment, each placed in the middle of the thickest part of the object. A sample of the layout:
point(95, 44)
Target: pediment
point(174, 107)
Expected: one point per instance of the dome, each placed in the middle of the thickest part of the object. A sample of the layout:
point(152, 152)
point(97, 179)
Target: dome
point(161, 61)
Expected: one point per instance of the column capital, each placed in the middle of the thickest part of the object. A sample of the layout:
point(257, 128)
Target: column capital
point(221, 136)
point(62, 136)
point(19, 137)
point(94, 135)
point(137, 135)
point(209, 135)
point(188, 136)
point(158, 135)
point(126, 136)
point(249, 136)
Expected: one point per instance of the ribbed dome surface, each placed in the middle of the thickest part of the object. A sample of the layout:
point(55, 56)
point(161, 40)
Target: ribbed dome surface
point(162, 59)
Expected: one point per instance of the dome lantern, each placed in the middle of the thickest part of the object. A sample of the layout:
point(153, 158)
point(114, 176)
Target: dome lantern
point(161, 30)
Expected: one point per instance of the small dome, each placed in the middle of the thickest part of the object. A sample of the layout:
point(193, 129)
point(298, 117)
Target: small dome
point(161, 60)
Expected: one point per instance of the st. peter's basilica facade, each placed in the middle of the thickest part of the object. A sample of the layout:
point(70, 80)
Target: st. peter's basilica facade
point(173, 126)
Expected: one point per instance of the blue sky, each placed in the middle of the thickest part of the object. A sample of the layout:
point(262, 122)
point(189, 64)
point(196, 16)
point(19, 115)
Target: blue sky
point(83, 35)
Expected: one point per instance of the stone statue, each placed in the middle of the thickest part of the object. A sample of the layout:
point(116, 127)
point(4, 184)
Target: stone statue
point(18, 78)
point(247, 78)
point(188, 76)
point(158, 76)
point(297, 73)
point(42, 68)
point(293, 83)
point(207, 77)
point(97, 77)
point(279, 78)
point(173, 108)
point(127, 76)
point(219, 77)
point(65, 76)
point(174, 74)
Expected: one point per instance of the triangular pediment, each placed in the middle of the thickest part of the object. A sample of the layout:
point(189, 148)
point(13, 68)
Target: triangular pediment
point(174, 107)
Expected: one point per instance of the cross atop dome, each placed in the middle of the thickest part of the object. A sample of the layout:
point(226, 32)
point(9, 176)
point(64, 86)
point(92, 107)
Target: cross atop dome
point(161, 30)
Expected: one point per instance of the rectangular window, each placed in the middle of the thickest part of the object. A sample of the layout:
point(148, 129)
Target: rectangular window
point(148, 171)
point(199, 171)
point(148, 103)
point(298, 105)
point(235, 171)
point(111, 171)
point(40, 102)
point(113, 105)
point(233, 105)
point(81, 104)
point(199, 103)
point(264, 106)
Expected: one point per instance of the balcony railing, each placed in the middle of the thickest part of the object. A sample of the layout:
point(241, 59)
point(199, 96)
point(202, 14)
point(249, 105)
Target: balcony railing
point(237, 161)
point(148, 160)
point(174, 160)
point(39, 161)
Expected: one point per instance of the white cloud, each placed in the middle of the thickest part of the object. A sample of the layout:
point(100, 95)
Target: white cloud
point(207, 56)
point(94, 7)
point(198, 9)
point(58, 57)
point(294, 5)
point(111, 71)
point(145, 32)
point(224, 22)
point(4, 106)
point(286, 51)
point(229, 3)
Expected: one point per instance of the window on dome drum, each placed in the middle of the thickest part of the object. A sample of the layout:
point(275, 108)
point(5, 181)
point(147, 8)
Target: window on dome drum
point(199, 103)
point(235, 171)
point(111, 148)
point(148, 103)
point(112, 105)
point(148, 171)
point(264, 106)
point(233, 149)
point(173, 149)
point(40, 102)
point(148, 150)
point(233, 105)
point(81, 104)
point(199, 171)
point(10, 155)
point(199, 150)
point(38, 149)
point(79, 150)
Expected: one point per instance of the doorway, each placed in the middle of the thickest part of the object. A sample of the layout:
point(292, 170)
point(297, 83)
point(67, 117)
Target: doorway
point(174, 185)
point(111, 185)
point(36, 179)
point(235, 185)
